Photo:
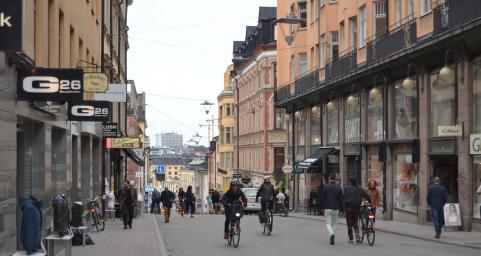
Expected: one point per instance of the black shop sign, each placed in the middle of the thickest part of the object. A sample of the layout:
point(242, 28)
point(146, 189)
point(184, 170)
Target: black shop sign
point(11, 25)
point(109, 130)
point(90, 111)
point(50, 84)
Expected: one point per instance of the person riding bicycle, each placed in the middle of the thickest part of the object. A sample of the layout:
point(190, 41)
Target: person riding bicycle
point(233, 194)
point(281, 200)
point(266, 192)
point(353, 195)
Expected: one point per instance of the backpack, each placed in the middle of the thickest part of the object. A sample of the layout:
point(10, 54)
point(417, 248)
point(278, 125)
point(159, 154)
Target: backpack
point(77, 238)
point(61, 215)
point(77, 214)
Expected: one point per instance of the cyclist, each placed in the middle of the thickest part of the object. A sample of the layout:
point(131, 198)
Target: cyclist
point(233, 194)
point(353, 195)
point(266, 192)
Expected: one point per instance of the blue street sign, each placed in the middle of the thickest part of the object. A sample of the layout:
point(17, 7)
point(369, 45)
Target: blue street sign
point(160, 169)
point(148, 188)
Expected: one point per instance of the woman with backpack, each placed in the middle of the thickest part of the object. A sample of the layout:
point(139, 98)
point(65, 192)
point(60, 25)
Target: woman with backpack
point(189, 202)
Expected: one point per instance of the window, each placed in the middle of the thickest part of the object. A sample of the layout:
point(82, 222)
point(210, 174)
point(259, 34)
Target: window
point(279, 119)
point(411, 8)
point(363, 28)
point(301, 136)
point(352, 119)
point(228, 136)
point(303, 13)
point(406, 102)
point(398, 12)
point(375, 118)
point(332, 122)
point(228, 109)
point(322, 3)
point(176, 173)
point(405, 187)
point(343, 36)
point(443, 108)
point(175, 167)
point(313, 8)
point(334, 45)
point(476, 183)
point(477, 97)
point(302, 64)
point(425, 6)
point(333, 1)
point(316, 126)
point(220, 112)
point(313, 58)
point(353, 22)
point(318, 55)
point(323, 50)
point(292, 71)
point(375, 172)
point(221, 135)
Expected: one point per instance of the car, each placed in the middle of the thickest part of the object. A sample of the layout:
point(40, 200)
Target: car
point(252, 206)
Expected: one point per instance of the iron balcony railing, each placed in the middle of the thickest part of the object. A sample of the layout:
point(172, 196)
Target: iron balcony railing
point(452, 13)
point(341, 65)
point(307, 82)
point(283, 93)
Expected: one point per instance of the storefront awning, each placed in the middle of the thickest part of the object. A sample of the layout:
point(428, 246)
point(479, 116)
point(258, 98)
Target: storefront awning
point(316, 157)
point(132, 155)
point(222, 171)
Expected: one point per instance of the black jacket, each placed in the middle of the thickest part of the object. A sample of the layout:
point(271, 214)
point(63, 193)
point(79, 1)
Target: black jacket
point(266, 191)
point(167, 197)
point(353, 196)
point(437, 196)
point(231, 196)
point(155, 196)
point(215, 197)
point(332, 197)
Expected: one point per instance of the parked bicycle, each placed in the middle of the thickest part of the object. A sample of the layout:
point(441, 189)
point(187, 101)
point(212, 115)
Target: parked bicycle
point(267, 219)
point(367, 223)
point(97, 218)
point(236, 211)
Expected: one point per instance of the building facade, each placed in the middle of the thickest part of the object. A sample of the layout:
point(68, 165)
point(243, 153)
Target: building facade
point(172, 140)
point(390, 96)
point(261, 132)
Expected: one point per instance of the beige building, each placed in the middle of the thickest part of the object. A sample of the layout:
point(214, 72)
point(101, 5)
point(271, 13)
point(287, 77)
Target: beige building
point(262, 137)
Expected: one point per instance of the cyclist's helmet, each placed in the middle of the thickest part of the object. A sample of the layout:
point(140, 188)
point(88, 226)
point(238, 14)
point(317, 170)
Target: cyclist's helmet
point(267, 178)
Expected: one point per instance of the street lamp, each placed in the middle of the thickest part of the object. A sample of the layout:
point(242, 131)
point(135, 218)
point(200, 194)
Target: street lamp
point(316, 110)
point(408, 83)
point(207, 105)
point(298, 114)
point(446, 73)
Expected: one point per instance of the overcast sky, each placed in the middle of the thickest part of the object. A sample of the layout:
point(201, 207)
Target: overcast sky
point(182, 49)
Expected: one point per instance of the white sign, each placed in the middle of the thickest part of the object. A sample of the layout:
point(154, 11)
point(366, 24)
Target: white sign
point(115, 93)
point(287, 169)
point(475, 144)
point(452, 215)
point(139, 175)
point(450, 131)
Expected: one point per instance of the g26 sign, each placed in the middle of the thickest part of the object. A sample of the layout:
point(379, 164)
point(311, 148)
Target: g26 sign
point(59, 85)
point(94, 111)
point(475, 144)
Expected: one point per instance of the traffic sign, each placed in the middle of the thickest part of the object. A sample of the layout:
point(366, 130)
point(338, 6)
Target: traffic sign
point(160, 169)
point(148, 188)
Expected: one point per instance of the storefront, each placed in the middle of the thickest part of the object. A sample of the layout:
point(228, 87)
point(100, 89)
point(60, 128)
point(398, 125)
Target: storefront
point(352, 137)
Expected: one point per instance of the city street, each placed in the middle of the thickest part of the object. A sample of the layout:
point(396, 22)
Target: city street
point(202, 235)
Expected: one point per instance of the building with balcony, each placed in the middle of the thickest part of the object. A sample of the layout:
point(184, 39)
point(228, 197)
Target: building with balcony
point(261, 135)
point(393, 96)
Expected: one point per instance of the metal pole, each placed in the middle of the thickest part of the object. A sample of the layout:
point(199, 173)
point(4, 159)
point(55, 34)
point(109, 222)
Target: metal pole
point(103, 151)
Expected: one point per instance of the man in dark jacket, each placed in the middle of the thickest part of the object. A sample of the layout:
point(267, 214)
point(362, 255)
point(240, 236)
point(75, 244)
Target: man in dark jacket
point(234, 194)
point(215, 200)
point(353, 195)
point(155, 201)
point(332, 203)
point(437, 197)
point(266, 192)
point(127, 201)
point(167, 198)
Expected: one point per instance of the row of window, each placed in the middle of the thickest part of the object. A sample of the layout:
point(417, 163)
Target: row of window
point(226, 110)
point(226, 135)
point(227, 160)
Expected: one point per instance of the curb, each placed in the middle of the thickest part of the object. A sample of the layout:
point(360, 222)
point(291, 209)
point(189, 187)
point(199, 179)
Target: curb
point(401, 234)
point(160, 238)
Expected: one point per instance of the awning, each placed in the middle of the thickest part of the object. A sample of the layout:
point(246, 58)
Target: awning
point(316, 157)
point(222, 171)
point(132, 155)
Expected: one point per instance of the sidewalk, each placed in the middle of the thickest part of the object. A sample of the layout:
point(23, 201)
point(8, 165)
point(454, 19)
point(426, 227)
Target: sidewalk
point(423, 232)
point(143, 239)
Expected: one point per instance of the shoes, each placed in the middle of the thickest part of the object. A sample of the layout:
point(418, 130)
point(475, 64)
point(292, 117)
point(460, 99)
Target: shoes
point(351, 242)
point(130, 226)
point(226, 235)
point(125, 226)
point(437, 236)
point(192, 216)
point(331, 242)
point(166, 221)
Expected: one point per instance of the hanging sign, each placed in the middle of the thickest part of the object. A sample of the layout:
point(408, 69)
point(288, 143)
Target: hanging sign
point(49, 84)
point(114, 93)
point(450, 131)
point(123, 143)
point(92, 111)
point(287, 169)
point(11, 12)
point(95, 82)
point(109, 130)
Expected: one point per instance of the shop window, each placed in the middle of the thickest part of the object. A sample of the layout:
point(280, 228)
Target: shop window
point(375, 172)
point(301, 129)
point(375, 115)
point(333, 122)
point(405, 187)
point(316, 126)
point(477, 97)
point(406, 102)
point(352, 119)
point(280, 118)
point(443, 103)
point(477, 184)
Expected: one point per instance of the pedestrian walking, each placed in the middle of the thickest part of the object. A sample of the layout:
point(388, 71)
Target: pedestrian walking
point(353, 195)
point(155, 201)
point(216, 201)
point(332, 203)
point(210, 207)
point(375, 196)
point(167, 198)
point(437, 197)
point(190, 202)
point(127, 201)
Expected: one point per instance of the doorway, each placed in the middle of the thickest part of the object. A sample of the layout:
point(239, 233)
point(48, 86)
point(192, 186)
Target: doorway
point(446, 168)
point(353, 164)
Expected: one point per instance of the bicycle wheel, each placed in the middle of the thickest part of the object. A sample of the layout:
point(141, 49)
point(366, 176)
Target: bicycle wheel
point(101, 222)
point(362, 230)
point(270, 220)
point(286, 211)
point(236, 237)
point(371, 233)
point(231, 235)
point(95, 221)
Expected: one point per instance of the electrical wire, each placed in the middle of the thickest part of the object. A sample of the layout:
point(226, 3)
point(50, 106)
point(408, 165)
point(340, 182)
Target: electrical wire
point(174, 97)
point(171, 118)
point(181, 46)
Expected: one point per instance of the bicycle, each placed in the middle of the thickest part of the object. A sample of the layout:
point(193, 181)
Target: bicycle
point(282, 209)
point(236, 212)
point(366, 220)
point(268, 218)
point(97, 218)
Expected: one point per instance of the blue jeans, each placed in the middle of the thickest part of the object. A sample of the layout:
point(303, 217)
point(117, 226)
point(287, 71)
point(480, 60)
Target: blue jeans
point(264, 204)
point(438, 219)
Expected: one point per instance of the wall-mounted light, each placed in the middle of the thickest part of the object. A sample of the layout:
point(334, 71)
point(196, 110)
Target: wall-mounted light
point(408, 83)
point(316, 110)
point(446, 73)
point(374, 93)
point(279, 119)
point(331, 105)
point(298, 114)
point(288, 117)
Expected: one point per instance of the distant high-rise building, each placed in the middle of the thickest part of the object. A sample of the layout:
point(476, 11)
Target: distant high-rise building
point(158, 140)
point(172, 140)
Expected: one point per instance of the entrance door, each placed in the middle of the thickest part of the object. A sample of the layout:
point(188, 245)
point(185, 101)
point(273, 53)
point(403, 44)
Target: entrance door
point(446, 168)
point(354, 168)
point(279, 158)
